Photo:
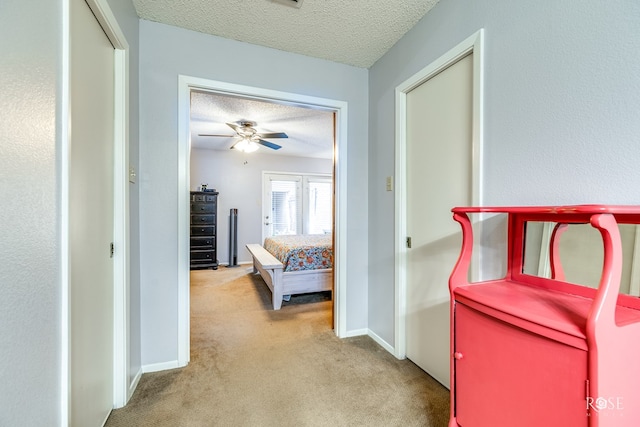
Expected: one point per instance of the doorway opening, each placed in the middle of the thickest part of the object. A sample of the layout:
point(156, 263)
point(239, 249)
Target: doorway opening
point(187, 85)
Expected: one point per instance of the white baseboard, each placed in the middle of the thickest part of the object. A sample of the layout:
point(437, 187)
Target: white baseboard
point(355, 333)
point(382, 342)
point(134, 384)
point(155, 367)
point(374, 336)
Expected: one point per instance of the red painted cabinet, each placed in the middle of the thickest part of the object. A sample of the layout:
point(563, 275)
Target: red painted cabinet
point(540, 351)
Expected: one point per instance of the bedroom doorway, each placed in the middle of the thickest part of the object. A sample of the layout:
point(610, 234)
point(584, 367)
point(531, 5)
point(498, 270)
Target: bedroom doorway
point(338, 110)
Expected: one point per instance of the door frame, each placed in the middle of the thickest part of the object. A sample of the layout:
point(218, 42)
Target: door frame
point(472, 44)
point(122, 389)
point(185, 85)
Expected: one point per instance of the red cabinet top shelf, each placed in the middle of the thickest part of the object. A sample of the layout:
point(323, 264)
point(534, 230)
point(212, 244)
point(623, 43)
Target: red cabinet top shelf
point(564, 209)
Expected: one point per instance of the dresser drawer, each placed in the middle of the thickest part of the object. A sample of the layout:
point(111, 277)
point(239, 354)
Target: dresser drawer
point(197, 197)
point(204, 257)
point(203, 243)
point(203, 208)
point(203, 231)
point(203, 219)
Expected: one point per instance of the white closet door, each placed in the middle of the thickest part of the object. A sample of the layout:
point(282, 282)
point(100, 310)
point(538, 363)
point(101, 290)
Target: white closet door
point(439, 153)
point(91, 222)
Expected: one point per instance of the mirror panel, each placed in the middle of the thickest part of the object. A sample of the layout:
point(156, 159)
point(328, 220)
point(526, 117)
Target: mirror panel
point(581, 254)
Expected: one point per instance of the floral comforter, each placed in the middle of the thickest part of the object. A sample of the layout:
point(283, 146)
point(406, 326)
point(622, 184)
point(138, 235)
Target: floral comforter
point(302, 251)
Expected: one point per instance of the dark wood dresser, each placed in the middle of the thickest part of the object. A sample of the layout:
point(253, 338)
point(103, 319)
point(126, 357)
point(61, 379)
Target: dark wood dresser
point(204, 207)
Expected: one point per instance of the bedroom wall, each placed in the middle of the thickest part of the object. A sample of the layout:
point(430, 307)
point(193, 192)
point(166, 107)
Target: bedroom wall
point(238, 178)
point(167, 52)
point(562, 111)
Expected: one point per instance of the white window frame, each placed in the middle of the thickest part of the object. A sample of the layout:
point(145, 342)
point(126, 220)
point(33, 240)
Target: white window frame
point(301, 178)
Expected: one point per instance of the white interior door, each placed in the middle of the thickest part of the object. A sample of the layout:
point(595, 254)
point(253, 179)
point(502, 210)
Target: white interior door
point(438, 167)
point(91, 219)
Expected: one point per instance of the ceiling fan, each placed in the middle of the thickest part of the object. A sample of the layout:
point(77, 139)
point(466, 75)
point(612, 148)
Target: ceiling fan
point(249, 137)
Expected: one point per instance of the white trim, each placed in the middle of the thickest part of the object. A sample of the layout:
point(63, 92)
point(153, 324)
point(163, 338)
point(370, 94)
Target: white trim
point(121, 356)
point(65, 157)
point(163, 366)
point(380, 341)
point(356, 333)
point(122, 391)
point(121, 359)
point(473, 44)
point(185, 85)
point(135, 381)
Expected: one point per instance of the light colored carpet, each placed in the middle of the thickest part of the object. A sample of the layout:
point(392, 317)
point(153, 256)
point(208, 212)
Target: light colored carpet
point(252, 366)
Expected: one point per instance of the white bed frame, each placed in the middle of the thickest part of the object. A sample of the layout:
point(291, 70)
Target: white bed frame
point(287, 282)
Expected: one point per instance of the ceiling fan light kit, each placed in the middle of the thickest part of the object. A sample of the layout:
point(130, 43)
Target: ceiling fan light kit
point(246, 145)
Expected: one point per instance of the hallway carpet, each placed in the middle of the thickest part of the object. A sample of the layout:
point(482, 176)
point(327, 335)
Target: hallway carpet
point(252, 366)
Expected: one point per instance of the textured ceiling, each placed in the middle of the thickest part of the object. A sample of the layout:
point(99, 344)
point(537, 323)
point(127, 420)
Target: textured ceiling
point(309, 131)
point(354, 32)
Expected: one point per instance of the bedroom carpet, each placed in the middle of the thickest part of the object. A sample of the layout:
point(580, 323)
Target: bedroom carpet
point(252, 366)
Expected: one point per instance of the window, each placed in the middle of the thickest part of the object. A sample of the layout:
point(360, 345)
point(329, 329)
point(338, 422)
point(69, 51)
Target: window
point(297, 204)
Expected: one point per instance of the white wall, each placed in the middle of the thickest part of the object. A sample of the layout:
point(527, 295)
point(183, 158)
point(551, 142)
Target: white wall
point(167, 52)
point(562, 111)
point(238, 178)
point(30, 217)
point(30, 317)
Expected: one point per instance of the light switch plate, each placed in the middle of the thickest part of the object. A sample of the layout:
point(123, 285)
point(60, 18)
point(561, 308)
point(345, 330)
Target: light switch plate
point(389, 183)
point(132, 175)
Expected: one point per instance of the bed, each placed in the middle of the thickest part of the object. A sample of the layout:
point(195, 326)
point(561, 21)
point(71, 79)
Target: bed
point(296, 264)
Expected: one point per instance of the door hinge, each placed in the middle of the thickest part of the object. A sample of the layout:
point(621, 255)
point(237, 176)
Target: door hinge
point(111, 250)
point(409, 242)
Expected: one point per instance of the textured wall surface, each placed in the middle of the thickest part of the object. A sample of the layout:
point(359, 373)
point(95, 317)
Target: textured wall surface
point(30, 215)
point(30, 315)
point(562, 115)
point(166, 53)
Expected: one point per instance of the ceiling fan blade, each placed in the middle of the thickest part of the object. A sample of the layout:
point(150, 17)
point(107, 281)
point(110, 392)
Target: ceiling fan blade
point(272, 135)
point(233, 126)
point(268, 144)
point(211, 134)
